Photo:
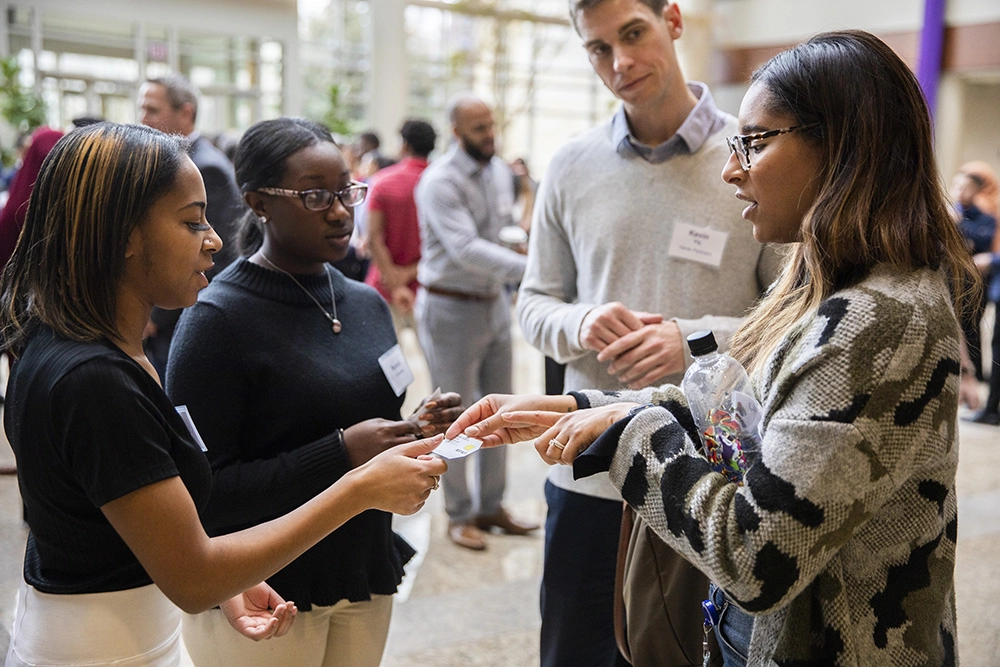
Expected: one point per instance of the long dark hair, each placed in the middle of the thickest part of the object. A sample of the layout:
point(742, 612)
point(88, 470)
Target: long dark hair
point(261, 160)
point(96, 185)
point(880, 199)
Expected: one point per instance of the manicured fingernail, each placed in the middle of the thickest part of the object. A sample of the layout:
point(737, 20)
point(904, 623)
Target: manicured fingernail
point(431, 406)
point(472, 430)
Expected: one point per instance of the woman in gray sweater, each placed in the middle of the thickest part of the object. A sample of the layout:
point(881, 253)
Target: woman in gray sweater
point(839, 547)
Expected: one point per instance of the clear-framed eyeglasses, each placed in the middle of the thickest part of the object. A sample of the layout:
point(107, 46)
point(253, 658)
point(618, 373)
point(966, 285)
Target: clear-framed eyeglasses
point(742, 143)
point(320, 200)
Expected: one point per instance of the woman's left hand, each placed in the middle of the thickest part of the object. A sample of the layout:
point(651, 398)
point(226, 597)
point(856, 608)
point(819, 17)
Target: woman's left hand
point(968, 391)
point(259, 613)
point(569, 434)
point(440, 413)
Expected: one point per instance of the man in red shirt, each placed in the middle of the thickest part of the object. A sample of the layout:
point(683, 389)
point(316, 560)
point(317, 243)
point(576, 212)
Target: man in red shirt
point(393, 230)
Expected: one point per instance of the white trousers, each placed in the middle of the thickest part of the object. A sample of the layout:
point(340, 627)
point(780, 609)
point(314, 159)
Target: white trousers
point(129, 628)
point(348, 634)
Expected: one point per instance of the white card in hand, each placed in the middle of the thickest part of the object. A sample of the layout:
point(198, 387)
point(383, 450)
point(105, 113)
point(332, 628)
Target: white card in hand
point(457, 447)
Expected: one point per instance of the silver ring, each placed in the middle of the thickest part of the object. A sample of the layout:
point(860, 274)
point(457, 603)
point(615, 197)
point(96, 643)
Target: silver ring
point(555, 443)
point(437, 482)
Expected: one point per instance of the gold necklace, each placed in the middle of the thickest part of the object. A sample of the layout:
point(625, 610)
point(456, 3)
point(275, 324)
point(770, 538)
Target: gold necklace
point(334, 322)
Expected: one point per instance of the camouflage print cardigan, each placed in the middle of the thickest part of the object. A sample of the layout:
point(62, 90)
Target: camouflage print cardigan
point(842, 541)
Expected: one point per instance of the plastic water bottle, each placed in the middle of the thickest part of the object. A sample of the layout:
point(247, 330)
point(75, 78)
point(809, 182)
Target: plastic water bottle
point(723, 405)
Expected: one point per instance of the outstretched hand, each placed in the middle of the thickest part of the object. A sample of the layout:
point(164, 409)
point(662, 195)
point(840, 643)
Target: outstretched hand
point(259, 613)
point(561, 437)
point(968, 391)
point(401, 479)
point(487, 421)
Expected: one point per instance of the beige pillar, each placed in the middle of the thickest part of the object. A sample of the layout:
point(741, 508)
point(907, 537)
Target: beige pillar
point(389, 80)
point(696, 46)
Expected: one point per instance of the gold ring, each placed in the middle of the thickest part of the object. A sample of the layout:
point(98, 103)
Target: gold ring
point(437, 480)
point(555, 443)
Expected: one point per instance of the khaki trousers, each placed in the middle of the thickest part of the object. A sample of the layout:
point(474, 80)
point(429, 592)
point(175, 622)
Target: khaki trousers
point(348, 634)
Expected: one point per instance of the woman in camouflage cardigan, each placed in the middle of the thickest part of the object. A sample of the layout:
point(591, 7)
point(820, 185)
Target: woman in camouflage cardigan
point(841, 542)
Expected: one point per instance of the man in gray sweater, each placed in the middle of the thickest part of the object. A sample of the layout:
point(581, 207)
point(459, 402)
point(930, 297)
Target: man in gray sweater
point(635, 243)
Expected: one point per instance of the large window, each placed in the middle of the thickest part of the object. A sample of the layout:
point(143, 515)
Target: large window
point(524, 58)
point(86, 65)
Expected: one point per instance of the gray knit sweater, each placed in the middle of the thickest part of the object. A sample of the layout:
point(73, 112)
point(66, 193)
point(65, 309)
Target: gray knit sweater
point(842, 541)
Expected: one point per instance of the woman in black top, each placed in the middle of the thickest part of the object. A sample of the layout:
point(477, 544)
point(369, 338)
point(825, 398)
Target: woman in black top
point(110, 473)
point(283, 364)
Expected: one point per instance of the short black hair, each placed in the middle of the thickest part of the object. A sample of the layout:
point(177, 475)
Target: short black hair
point(261, 160)
point(419, 135)
point(371, 139)
point(84, 121)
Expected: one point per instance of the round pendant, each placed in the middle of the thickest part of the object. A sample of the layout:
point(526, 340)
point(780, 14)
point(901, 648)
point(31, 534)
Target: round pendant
point(336, 325)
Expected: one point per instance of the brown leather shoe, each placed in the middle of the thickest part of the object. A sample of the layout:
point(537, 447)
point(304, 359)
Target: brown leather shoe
point(466, 535)
point(506, 523)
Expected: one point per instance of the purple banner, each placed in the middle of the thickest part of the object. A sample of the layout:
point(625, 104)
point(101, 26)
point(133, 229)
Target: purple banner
point(931, 48)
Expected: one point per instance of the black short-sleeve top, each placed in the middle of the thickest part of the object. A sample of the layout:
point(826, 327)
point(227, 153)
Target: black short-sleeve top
point(88, 425)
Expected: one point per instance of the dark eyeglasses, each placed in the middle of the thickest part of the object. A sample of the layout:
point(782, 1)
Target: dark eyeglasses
point(320, 200)
point(740, 144)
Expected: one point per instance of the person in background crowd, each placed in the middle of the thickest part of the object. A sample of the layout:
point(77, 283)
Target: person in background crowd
point(12, 216)
point(367, 161)
point(170, 104)
point(366, 149)
point(988, 199)
point(291, 373)
point(111, 473)
point(462, 310)
point(393, 229)
point(7, 174)
point(978, 229)
point(989, 266)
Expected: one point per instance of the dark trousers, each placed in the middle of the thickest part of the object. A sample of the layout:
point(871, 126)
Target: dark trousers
point(993, 401)
point(578, 581)
point(555, 376)
point(972, 321)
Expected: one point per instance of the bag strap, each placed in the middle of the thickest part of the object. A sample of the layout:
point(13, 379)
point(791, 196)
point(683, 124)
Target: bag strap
point(624, 537)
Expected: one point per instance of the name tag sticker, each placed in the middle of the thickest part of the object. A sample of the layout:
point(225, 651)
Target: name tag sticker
point(182, 410)
point(396, 370)
point(698, 244)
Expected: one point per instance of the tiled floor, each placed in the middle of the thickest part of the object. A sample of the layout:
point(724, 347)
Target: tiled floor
point(462, 609)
